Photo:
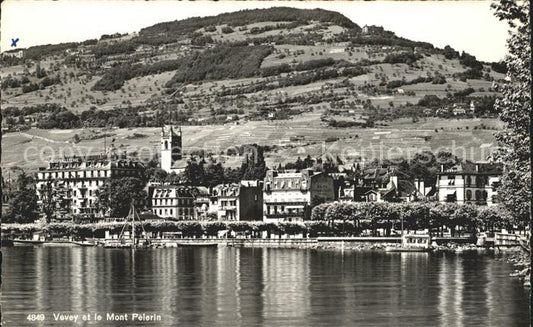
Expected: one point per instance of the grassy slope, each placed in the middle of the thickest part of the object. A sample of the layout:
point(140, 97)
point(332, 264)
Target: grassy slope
point(400, 135)
point(138, 90)
point(403, 133)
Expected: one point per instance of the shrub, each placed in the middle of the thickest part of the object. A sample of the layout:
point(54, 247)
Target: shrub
point(227, 30)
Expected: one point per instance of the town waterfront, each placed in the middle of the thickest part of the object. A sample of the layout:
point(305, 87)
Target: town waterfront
point(227, 286)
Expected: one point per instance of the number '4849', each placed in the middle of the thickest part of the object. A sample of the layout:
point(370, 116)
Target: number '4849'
point(35, 317)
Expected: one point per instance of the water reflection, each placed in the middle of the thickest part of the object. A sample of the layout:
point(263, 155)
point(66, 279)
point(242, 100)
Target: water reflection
point(262, 287)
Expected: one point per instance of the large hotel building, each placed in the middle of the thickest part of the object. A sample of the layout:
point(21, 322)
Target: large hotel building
point(75, 181)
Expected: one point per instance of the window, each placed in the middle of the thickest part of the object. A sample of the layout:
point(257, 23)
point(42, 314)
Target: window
point(469, 195)
point(451, 197)
point(451, 180)
point(469, 181)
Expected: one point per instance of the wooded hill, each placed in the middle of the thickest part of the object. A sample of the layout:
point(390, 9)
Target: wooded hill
point(253, 64)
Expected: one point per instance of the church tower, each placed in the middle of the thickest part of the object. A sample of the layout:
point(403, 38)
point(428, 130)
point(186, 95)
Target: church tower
point(171, 150)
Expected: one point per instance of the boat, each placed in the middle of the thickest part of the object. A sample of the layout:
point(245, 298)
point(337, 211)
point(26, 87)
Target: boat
point(84, 243)
point(413, 243)
point(27, 242)
point(58, 242)
point(127, 237)
point(236, 243)
point(52, 242)
point(196, 244)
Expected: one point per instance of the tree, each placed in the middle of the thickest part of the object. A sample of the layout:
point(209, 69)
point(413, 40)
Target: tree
point(465, 216)
point(381, 214)
point(155, 174)
point(23, 201)
point(319, 211)
point(54, 200)
point(344, 211)
point(117, 195)
point(214, 174)
point(415, 215)
point(254, 166)
point(515, 111)
point(195, 173)
point(491, 218)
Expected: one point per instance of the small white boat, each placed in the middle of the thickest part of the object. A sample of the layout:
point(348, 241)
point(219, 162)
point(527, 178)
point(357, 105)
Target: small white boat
point(28, 242)
point(413, 243)
point(84, 243)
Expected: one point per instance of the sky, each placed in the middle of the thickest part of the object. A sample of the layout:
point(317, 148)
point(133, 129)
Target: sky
point(465, 25)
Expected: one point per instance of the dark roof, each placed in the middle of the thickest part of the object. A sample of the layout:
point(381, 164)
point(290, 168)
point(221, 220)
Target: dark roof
point(479, 168)
point(361, 191)
point(406, 188)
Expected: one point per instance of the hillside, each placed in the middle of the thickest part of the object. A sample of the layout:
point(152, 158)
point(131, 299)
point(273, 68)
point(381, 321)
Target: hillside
point(264, 67)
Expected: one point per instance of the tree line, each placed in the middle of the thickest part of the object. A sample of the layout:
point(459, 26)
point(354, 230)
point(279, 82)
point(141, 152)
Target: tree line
point(434, 216)
point(332, 219)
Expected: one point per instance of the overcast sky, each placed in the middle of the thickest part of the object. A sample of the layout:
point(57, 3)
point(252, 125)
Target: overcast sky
point(465, 25)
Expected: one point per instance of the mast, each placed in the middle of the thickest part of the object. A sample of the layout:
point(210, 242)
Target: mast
point(132, 210)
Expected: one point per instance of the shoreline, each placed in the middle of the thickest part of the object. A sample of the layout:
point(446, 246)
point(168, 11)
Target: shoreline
point(357, 243)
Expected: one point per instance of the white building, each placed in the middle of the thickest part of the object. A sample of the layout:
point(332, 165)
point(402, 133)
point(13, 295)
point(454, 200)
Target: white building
point(241, 201)
point(75, 181)
point(474, 183)
point(290, 195)
point(14, 53)
point(174, 202)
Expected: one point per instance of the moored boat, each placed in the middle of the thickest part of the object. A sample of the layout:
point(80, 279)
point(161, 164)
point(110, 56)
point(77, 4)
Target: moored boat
point(413, 243)
point(128, 235)
point(84, 243)
point(27, 242)
point(59, 242)
point(196, 244)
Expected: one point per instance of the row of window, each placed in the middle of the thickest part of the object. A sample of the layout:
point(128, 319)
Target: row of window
point(272, 210)
point(479, 195)
point(76, 174)
point(88, 174)
point(187, 213)
point(186, 202)
point(230, 203)
point(71, 184)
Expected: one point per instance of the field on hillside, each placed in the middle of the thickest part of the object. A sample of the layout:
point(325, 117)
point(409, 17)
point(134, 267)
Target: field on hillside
point(280, 84)
point(401, 138)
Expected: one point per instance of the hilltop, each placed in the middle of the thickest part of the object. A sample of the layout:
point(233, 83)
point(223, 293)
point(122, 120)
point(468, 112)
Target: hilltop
point(313, 67)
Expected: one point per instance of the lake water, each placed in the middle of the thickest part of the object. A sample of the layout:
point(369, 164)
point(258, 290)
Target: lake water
point(259, 287)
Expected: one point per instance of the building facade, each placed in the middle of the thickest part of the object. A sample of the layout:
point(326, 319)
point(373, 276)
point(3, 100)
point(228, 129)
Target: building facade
point(290, 195)
point(239, 201)
point(201, 204)
point(174, 202)
point(474, 183)
point(74, 182)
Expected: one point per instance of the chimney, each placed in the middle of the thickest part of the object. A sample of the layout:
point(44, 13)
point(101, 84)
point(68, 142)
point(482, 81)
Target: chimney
point(420, 187)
